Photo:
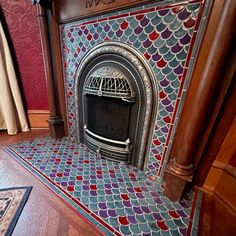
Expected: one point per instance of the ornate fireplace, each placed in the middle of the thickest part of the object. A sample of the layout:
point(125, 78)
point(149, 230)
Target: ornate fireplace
point(126, 78)
point(116, 103)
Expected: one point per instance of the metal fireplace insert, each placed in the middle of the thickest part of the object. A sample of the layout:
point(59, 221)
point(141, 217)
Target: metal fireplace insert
point(115, 96)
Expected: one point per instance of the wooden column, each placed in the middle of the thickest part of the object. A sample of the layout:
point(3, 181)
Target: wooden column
point(56, 124)
point(202, 103)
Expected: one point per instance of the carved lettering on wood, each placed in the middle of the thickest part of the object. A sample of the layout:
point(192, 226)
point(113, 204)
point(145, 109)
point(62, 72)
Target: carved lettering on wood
point(91, 3)
point(68, 9)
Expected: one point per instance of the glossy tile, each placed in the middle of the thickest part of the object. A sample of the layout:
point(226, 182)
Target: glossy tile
point(163, 33)
point(114, 197)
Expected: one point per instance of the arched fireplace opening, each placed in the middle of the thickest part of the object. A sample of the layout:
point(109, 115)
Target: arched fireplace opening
point(116, 103)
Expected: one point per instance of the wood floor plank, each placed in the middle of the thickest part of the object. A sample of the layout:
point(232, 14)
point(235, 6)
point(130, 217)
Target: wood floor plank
point(44, 213)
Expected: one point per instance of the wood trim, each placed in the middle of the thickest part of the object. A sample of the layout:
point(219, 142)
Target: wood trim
point(202, 104)
point(212, 179)
point(222, 176)
point(57, 67)
point(70, 10)
point(228, 148)
point(226, 190)
point(218, 134)
point(47, 58)
point(220, 183)
point(225, 167)
point(38, 119)
point(56, 124)
point(221, 165)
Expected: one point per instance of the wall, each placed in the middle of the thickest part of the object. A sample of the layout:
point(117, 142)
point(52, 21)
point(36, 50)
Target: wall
point(22, 30)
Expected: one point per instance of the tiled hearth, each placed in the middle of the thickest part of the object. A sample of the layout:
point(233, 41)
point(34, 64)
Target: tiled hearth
point(167, 34)
point(115, 198)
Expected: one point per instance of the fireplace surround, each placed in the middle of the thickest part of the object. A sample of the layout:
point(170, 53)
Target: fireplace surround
point(166, 38)
point(116, 103)
point(169, 35)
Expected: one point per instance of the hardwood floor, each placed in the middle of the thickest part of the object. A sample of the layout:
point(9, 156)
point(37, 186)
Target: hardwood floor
point(6, 139)
point(44, 213)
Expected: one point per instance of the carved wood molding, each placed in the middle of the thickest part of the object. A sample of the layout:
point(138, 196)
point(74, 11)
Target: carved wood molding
point(68, 10)
point(91, 3)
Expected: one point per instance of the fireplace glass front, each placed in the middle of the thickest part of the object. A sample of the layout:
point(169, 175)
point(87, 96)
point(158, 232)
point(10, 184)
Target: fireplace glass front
point(108, 117)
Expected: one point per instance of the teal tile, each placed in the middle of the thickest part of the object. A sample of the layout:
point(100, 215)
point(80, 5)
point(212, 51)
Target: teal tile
point(134, 228)
point(125, 230)
point(113, 221)
point(169, 17)
point(179, 223)
point(144, 227)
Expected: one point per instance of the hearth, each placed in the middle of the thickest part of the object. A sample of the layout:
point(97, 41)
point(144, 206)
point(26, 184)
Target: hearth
point(116, 102)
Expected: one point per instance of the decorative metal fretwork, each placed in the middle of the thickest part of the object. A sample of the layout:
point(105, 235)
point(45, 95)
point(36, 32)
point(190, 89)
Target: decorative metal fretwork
point(110, 82)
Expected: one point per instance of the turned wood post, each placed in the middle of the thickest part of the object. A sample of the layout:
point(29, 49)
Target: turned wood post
point(202, 103)
point(56, 124)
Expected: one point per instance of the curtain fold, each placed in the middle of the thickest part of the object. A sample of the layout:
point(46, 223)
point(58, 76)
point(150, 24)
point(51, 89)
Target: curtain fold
point(12, 114)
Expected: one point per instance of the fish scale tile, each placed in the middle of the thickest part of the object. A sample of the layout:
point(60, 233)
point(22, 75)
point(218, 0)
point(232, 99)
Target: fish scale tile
point(162, 34)
point(122, 196)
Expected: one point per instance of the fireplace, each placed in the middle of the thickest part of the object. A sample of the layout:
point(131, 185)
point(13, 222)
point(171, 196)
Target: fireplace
point(150, 50)
point(156, 49)
point(116, 103)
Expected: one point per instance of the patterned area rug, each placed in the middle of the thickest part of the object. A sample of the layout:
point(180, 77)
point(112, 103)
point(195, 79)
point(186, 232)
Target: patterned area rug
point(12, 201)
point(116, 198)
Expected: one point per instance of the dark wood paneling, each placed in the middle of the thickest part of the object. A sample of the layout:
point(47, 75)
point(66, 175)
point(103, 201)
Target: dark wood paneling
point(66, 10)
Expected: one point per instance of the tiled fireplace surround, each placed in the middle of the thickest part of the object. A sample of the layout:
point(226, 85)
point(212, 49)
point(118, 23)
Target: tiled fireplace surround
point(119, 199)
point(167, 34)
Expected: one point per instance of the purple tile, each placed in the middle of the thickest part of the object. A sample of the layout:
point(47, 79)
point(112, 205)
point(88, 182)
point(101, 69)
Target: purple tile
point(103, 214)
point(102, 205)
point(157, 216)
point(127, 204)
point(132, 219)
point(112, 213)
point(137, 210)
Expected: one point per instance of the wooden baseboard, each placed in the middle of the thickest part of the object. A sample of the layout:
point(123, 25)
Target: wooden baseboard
point(38, 119)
